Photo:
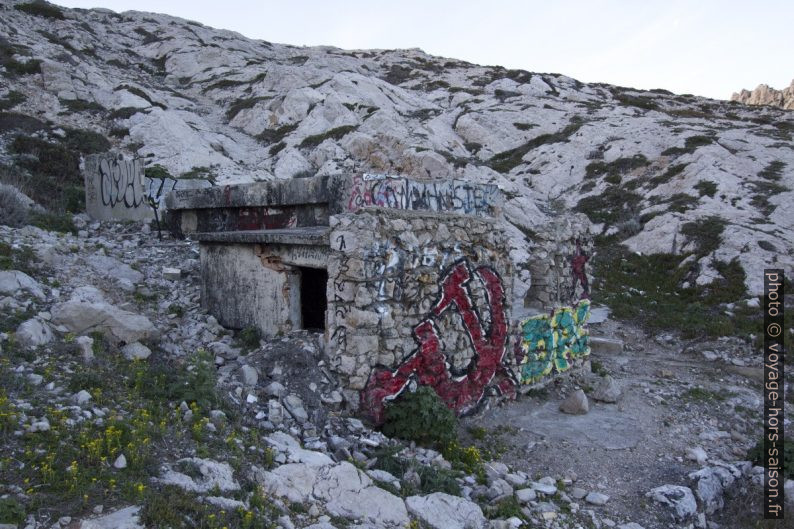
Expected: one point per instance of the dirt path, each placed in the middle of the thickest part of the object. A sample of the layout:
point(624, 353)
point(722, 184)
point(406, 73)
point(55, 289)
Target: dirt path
point(674, 399)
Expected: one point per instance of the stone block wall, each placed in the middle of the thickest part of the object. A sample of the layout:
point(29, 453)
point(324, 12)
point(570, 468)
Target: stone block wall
point(559, 265)
point(417, 296)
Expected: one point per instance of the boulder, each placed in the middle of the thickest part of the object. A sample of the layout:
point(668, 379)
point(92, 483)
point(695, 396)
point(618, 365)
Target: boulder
point(680, 500)
point(607, 390)
point(205, 475)
point(12, 282)
point(576, 403)
point(344, 490)
point(136, 351)
point(126, 518)
point(118, 324)
point(33, 333)
point(444, 511)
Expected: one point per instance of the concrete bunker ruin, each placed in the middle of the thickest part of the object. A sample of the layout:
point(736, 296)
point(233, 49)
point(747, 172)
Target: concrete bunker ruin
point(409, 281)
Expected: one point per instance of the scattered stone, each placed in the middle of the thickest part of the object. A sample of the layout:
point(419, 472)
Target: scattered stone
point(578, 493)
point(680, 500)
point(697, 454)
point(120, 462)
point(526, 495)
point(275, 389)
point(126, 518)
point(136, 351)
point(294, 406)
point(607, 391)
point(342, 489)
point(172, 274)
point(543, 488)
point(249, 375)
point(711, 483)
point(203, 476)
point(33, 333)
point(596, 498)
point(575, 404)
point(42, 425)
point(86, 345)
point(81, 397)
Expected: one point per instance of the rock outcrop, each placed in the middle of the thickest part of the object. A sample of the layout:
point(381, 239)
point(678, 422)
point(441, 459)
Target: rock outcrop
point(766, 95)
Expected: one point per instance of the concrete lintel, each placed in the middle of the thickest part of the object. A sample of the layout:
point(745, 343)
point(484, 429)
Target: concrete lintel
point(312, 236)
point(277, 193)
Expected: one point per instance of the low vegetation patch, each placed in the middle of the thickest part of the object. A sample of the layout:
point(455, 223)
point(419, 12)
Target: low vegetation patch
point(613, 171)
point(41, 9)
point(505, 161)
point(334, 134)
point(243, 104)
point(706, 188)
point(268, 136)
point(615, 204)
point(12, 99)
point(690, 145)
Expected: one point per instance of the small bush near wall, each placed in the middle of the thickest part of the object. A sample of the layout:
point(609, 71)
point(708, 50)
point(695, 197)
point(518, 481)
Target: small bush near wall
point(421, 416)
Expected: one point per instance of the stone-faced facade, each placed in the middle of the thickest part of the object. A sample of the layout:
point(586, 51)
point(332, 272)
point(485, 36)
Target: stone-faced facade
point(410, 282)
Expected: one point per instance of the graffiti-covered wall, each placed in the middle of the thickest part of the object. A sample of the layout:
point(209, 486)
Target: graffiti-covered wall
point(116, 188)
point(418, 297)
point(560, 263)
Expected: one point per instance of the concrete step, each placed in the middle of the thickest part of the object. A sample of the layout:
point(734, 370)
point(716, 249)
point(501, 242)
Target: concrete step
point(602, 344)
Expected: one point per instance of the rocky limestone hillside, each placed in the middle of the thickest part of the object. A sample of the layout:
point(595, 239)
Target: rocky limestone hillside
point(664, 173)
point(766, 95)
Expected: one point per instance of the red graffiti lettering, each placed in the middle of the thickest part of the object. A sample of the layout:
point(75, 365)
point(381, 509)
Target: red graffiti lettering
point(428, 364)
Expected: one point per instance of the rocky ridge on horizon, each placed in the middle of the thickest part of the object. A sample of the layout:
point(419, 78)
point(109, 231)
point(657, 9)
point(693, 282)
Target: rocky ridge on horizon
point(766, 95)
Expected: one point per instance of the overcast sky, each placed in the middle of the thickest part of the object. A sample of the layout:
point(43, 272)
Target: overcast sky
point(703, 47)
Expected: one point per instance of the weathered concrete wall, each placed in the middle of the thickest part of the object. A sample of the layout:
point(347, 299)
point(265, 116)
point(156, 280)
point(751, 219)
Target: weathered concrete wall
point(114, 188)
point(308, 202)
point(418, 297)
point(242, 289)
point(437, 196)
point(253, 284)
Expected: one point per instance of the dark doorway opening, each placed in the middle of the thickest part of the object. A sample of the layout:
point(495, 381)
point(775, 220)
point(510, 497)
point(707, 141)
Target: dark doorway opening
point(313, 297)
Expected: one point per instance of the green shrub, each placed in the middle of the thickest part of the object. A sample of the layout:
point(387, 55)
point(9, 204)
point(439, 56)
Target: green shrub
point(13, 211)
point(275, 135)
point(249, 338)
point(13, 121)
point(12, 99)
point(756, 455)
point(243, 104)
point(60, 222)
point(505, 161)
point(420, 416)
point(78, 105)
point(645, 103)
point(157, 171)
point(616, 168)
point(690, 145)
point(706, 232)
point(334, 134)
point(613, 205)
point(773, 171)
point(41, 9)
point(86, 141)
point(11, 511)
point(706, 188)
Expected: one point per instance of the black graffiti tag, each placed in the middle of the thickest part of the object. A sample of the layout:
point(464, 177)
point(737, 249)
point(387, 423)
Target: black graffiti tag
point(120, 183)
